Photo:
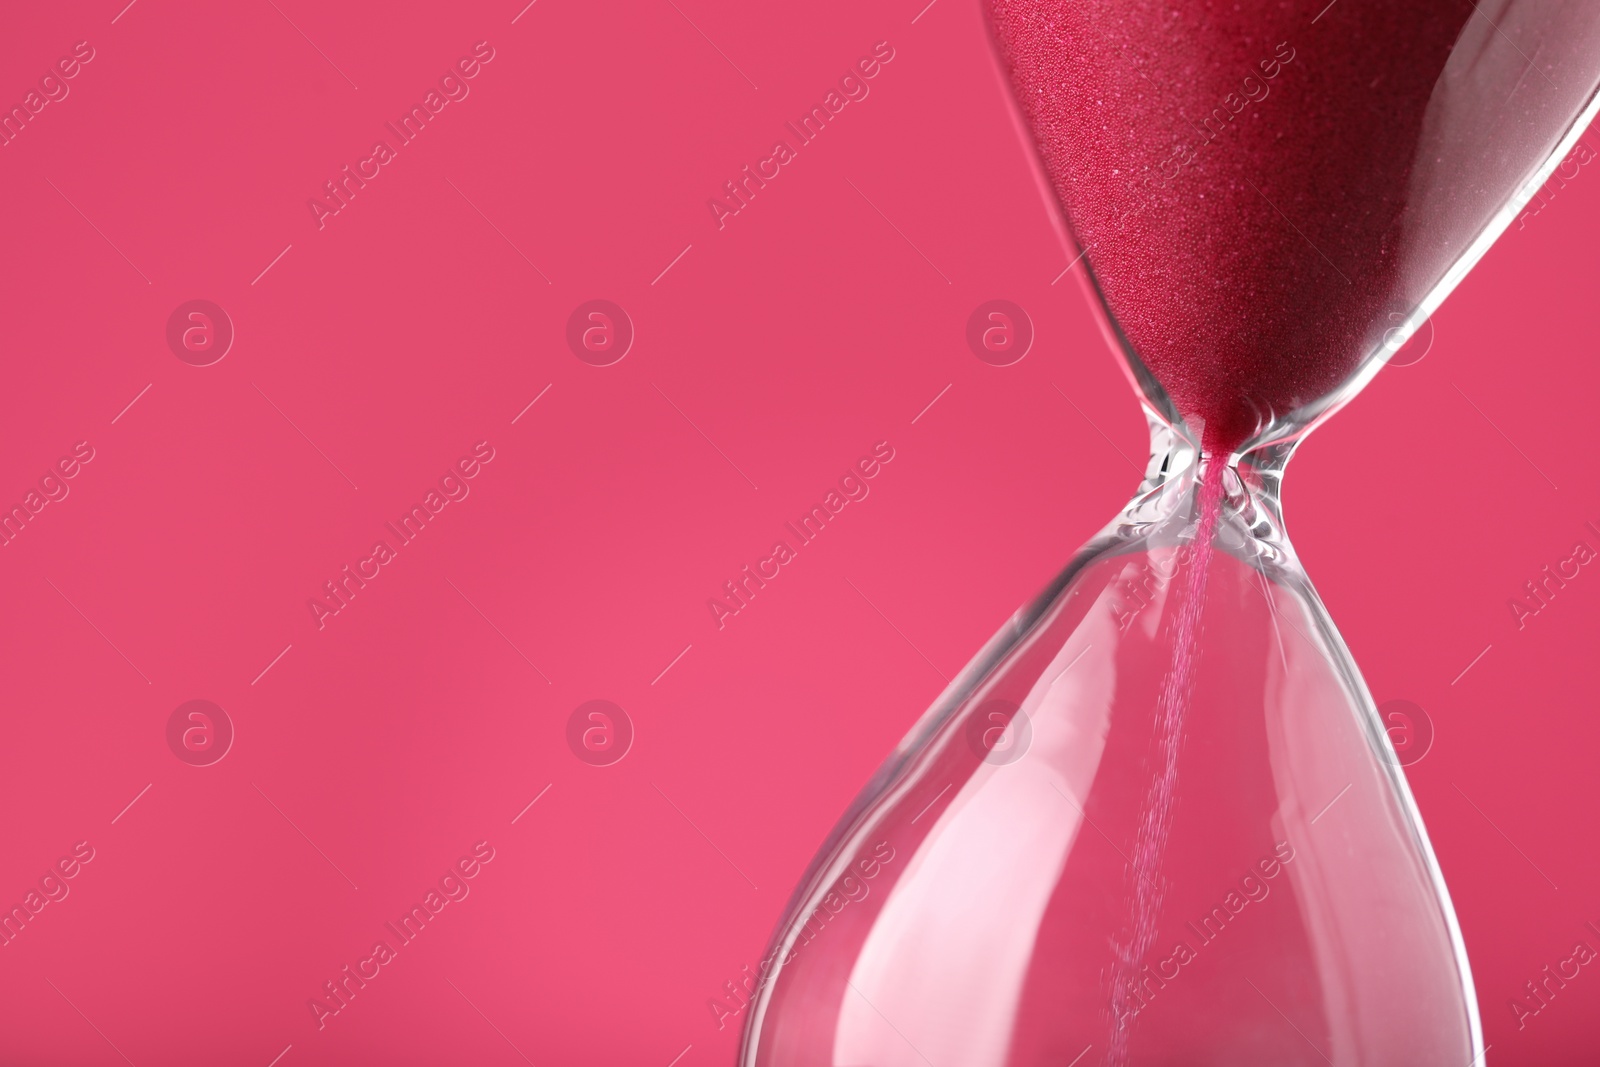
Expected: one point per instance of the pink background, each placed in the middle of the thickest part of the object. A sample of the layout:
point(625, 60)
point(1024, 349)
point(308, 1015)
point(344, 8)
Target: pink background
point(822, 319)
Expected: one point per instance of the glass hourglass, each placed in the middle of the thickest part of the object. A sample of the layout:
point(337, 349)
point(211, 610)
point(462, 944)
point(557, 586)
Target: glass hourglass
point(1157, 819)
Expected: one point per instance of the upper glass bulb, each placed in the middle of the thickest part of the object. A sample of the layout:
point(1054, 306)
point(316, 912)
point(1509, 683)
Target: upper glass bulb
point(1262, 191)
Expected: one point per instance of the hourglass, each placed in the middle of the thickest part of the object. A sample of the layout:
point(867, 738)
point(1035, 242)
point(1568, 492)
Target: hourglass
point(1157, 819)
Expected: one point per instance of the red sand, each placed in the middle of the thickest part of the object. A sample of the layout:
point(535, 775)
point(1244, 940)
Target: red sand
point(1146, 880)
point(1237, 174)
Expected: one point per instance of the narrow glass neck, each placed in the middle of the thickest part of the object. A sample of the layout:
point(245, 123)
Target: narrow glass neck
point(1171, 501)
